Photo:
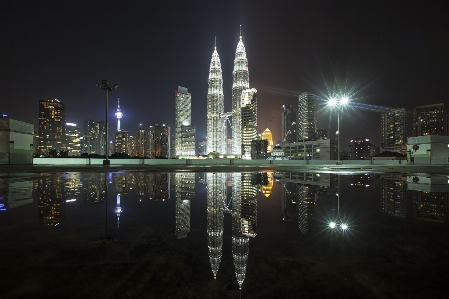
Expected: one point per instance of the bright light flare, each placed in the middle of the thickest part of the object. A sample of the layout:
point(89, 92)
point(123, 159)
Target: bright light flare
point(332, 102)
point(344, 226)
point(332, 224)
point(344, 100)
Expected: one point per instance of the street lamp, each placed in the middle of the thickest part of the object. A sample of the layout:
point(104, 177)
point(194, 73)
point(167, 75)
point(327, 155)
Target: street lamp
point(104, 86)
point(338, 104)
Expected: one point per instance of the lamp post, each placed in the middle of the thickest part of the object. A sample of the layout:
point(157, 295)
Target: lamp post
point(338, 103)
point(104, 86)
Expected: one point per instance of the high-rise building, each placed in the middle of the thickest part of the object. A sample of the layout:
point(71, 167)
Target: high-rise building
point(266, 135)
point(72, 139)
point(248, 120)
point(289, 125)
point(184, 131)
point(52, 116)
point(430, 120)
point(121, 142)
point(94, 137)
point(160, 141)
point(393, 129)
point(240, 82)
point(142, 139)
point(216, 124)
point(306, 117)
point(360, 149)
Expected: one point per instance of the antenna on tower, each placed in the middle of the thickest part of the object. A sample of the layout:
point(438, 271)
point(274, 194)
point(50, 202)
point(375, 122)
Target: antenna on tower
point(215, 41)
point(240, 30)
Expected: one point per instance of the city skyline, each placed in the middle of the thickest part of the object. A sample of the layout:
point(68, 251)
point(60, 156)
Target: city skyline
point(393, 53)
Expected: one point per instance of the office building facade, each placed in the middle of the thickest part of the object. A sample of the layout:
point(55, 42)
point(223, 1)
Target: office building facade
point(393, 129)
point(430, 120)
point(52, 119)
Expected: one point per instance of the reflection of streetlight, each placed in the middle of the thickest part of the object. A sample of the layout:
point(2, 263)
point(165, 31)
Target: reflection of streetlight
point(104, 86)
point(338, 224)
point(339, 104)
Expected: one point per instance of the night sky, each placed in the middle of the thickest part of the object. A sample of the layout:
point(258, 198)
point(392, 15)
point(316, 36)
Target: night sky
point(385, 54)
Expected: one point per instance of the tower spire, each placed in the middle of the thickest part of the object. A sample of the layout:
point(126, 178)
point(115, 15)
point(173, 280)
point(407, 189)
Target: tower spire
point(215, 42)
point(118, 114)
point(240, 30)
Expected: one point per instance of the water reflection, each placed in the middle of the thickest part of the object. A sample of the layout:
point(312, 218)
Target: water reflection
point(311, 202)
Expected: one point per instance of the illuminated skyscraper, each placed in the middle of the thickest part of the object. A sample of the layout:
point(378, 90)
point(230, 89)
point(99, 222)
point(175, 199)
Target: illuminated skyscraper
point(248, 121)
point(184, 131)
point(160, 141)
point(94, 137)
point(306, 117)
point(240, 82)
point(72, 139)
point(142, 142)
point(216, 125)
point(121, 142)
point(430, 120)
point(51, 125)
point(266, 135)
point(393, 129)
point(289, 125)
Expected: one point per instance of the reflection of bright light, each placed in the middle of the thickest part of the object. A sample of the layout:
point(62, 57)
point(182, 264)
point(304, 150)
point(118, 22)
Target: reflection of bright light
point(344, 226)
point(332, 224)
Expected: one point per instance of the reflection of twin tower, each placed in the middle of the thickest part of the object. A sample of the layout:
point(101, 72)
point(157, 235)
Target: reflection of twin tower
point(244, 219)
point(244, 108)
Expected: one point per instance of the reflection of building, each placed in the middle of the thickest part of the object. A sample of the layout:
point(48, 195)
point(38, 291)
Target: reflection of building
point(16, 141)
point(393, 196)
point(361, 180)
point(306, 117)
point(94, 187)
point(51, 125)
point(430, 120)
point(185, 191)
point(248, 119)
point(240, 82)
point(306, 205)
point(289, 200)
point(266, 188)
point(51, 197)
point(161, 186)
point(430, 197)
point(216, 196)
point(14, 193)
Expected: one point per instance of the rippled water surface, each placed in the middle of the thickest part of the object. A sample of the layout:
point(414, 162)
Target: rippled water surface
point(223, 235)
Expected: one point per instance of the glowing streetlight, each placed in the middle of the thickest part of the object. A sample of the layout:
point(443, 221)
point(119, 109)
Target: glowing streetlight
point(104, 86)
point(338, 104)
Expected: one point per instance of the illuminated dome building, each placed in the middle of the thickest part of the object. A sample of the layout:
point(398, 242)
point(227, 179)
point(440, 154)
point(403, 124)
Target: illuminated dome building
point(266, 135)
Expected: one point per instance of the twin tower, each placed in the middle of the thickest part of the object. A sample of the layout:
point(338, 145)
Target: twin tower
point(243, 114)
